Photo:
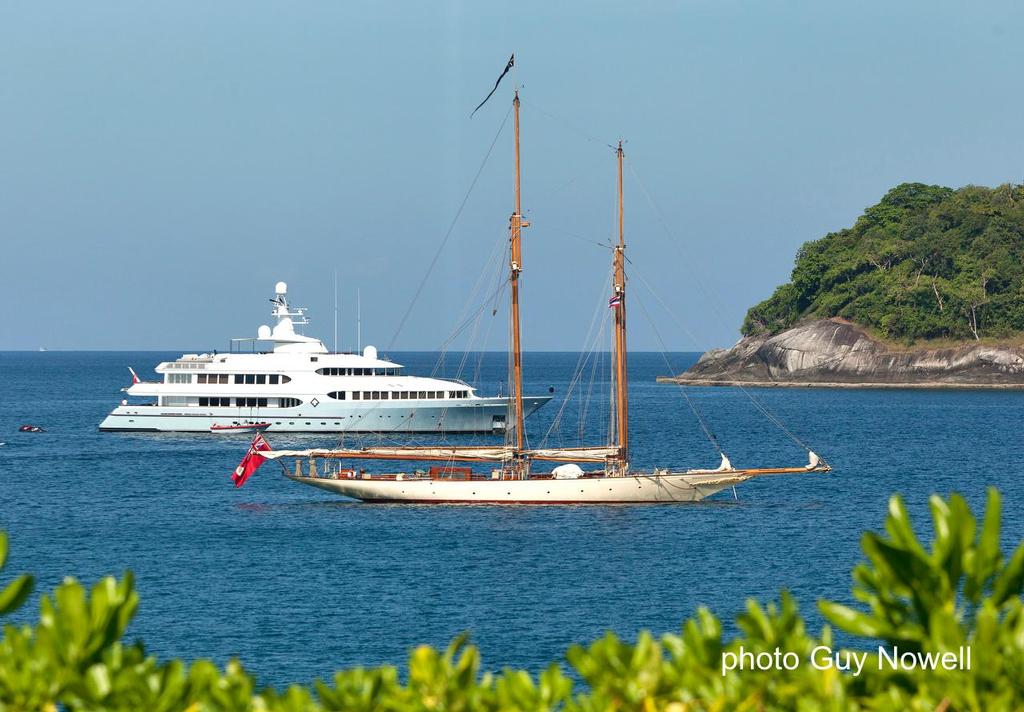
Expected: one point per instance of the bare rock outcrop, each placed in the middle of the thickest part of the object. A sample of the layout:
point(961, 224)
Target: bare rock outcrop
point(833, 352)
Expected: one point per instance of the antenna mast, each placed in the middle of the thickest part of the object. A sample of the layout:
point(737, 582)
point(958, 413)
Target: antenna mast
point(619, 287)
point(359, 321)
point(516, 224)
point(335, 311)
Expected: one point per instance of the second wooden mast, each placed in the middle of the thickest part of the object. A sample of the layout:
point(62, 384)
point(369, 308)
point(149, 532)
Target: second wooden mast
point(516, 225)
point(619, 304)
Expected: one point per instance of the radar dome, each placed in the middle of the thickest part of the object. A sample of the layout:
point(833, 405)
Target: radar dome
point(263, 332)
point(370, 352)
point(281, 288)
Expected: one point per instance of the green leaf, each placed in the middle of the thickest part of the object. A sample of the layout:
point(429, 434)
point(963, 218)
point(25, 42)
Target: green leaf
point(897, 524)
point(15, 594)
point(1010, 583)
point(852, 621)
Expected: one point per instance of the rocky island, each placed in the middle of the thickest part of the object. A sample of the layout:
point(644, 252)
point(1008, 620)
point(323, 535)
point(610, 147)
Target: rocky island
point(926, 290)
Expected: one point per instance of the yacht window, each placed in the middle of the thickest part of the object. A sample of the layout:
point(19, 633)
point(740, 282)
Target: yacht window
point(376, 395)
point(404, 395)
point(423, 394)
point(355, 395)
point(261, 402)
point(239, 378)
point(181, 377)
point(250, 378)
point(272, 379)
point(261, 379)
point(337, 395)
point(289, 402)
point(366, 395)
point(286, 379)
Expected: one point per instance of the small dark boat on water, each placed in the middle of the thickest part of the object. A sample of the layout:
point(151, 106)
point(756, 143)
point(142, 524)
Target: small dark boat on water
point(30, 429)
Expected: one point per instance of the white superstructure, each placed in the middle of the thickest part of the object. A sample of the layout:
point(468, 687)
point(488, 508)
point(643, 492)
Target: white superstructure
point(299, 386)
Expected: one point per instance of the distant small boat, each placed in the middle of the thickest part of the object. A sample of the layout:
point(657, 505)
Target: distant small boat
point(30, 429)
point(239, 428)
point(42, 348)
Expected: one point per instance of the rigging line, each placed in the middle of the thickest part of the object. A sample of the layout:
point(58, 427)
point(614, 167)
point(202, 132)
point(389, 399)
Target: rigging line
point(493, 265)
point(696, 342)
point(687, 260)
point(492, 262)
point(569, 125)
point(714, 306)
point(775, 420)
point(499, 288)
point(595, 367)
point(469, 320)
point(585, 357)
point(478, 367)
point(588, 350)
point(577, 236)
point(451, 228)
point(712, 438)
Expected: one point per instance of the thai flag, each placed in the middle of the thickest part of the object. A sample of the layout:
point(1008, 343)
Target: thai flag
point(615, 301)
point(252, 460)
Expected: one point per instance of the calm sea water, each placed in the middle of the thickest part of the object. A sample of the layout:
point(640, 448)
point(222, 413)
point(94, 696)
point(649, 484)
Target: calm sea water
point(297, 582)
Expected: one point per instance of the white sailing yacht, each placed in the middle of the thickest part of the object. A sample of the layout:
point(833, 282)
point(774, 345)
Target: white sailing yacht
point(586, 475)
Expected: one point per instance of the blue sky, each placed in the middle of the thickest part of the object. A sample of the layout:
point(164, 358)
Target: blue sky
point(163, 164)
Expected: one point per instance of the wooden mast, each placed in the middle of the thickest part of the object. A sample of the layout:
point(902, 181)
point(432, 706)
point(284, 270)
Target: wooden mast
point(516, 224)
point(619, 286)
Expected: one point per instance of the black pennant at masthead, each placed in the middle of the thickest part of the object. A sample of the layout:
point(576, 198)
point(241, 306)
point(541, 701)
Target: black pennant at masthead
point(511, 63)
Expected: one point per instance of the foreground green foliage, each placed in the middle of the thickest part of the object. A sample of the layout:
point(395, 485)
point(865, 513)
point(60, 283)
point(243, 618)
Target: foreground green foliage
point(962, 591)
point(926, 262)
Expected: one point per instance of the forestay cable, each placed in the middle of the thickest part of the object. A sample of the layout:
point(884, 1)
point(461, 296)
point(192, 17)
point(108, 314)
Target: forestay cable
point(769, 415)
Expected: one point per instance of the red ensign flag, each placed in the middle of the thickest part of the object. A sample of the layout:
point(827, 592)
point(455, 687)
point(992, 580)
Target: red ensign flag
point(252, 460)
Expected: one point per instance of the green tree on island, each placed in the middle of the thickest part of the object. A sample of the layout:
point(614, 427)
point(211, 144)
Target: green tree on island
point(926, 262)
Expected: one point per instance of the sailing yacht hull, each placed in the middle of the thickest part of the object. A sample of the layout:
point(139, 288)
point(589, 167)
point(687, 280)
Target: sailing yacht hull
point(632, 489)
